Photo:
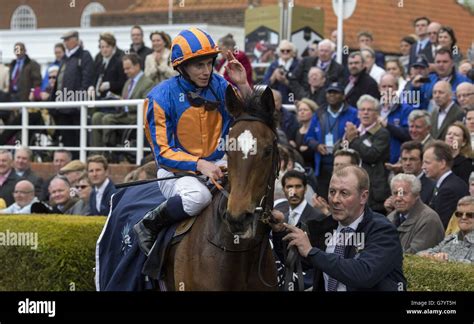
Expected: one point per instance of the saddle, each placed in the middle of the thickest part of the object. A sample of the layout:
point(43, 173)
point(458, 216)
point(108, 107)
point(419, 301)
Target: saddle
point(155, 263)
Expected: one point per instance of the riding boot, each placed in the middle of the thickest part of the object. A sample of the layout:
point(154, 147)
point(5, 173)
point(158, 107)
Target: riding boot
point(169, 212)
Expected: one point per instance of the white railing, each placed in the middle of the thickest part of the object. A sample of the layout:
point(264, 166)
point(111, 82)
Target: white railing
point(83, 127)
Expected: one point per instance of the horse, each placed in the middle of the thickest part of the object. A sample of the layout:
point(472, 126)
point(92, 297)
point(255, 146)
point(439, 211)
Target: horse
point(227, 248)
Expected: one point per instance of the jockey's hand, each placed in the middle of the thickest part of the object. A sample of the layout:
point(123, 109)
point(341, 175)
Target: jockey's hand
point(209, 169)
point(237, 74)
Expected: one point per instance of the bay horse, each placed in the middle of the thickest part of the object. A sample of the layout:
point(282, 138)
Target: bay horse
point(227, 248)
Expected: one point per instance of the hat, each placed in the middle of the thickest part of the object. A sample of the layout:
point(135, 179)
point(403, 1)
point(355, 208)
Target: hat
point(334, 86)
point(70, 34)
point(75, 165)
point(420, 61)
point(192, 43)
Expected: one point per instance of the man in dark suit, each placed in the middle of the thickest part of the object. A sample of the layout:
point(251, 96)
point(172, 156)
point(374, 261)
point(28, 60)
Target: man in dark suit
point(75, 75)
point(99, 201)
point(364, 251)
point(300, 212)
point(8, 177)
point(423, 45)
point(334, 71)
point(359, 82)
point(22, 165)
point(449, 188)
point(446, 112)
point(411, 161)
point(137, 87)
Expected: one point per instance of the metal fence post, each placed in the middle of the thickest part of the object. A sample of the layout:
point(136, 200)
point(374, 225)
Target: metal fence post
point(139, 133)
point(83, 134)
point(24, 126)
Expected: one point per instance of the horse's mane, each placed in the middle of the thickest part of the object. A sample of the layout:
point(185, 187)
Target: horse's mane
point(253, 107)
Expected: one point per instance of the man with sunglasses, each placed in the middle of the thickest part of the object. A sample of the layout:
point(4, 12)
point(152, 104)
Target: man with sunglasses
point(185, 119)
point(459, 246)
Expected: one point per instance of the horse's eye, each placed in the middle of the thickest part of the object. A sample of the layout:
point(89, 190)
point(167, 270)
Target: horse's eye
point(267, 151)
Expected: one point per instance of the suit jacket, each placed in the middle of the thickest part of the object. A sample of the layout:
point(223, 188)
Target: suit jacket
point(445, 202)
point(35, 180)
point(309, 214)
point(143, 86)
point(365, 84)
point(426, 51)
point(454, 114)
point(299, 77)
point(104, 203)
point(378, 266)
point(30, 77)
point(113, 73)
point(427, 186)
point(6, 190)
point(421, 230)
point(374, 151)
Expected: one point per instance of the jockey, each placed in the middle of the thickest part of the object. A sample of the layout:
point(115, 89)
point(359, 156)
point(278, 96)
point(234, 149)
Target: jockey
point(185, 119)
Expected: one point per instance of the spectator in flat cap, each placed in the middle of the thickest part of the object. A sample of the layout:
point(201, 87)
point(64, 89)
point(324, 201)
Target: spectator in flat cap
point(74, 78)
point(73, 171)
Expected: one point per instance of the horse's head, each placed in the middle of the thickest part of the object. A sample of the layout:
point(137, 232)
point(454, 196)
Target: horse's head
point(252, 160)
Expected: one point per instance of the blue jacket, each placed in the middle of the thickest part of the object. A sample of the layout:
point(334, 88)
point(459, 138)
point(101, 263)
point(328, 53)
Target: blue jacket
point(282, 88)
point(397, 125)
point(180, 134)
point(317, 130)
point(104, 203)
point(377, 266)
point(426, 90)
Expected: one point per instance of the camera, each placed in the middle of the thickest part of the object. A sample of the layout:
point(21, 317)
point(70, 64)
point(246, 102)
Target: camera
point(424, 80)
point(283, 71)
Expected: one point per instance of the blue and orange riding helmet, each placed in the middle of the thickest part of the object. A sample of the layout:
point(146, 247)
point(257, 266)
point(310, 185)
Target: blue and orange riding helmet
point(192, 43)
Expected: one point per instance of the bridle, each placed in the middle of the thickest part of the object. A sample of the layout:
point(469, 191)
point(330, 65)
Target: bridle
point(264, 208)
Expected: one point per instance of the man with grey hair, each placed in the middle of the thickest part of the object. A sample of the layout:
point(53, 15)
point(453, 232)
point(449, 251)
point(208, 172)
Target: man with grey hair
point(418, 225)
point(8, 177)
point(419, 127)
point(359, 82)
point(22, 164)
point(372, 141)
point(334, 71)
point(465, 95)
point(446, 111)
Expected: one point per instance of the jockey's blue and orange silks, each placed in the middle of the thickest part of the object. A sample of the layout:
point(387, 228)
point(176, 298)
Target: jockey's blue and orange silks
point(180, 134)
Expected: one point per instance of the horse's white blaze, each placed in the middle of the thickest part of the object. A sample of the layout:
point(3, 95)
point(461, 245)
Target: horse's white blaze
point(247, 143)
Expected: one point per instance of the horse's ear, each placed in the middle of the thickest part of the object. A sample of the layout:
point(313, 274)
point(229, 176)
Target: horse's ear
point(267, 100)
point(233, 102)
